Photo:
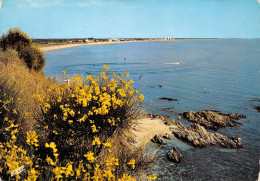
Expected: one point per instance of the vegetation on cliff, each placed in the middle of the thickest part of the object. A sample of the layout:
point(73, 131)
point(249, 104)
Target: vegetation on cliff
point(59, 131)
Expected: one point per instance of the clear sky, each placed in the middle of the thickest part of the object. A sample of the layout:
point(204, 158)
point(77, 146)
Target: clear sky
point(132, 18)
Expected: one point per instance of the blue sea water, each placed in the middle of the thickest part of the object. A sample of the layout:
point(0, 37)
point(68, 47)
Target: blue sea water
point(222, 75)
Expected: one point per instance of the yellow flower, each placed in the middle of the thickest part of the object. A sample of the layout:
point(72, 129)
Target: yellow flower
point(132, 162)
point(58, 171)
point(55, 116)
point(90, 156)
point(64, 72)
point(106, 67)
point(32, 138)
point(94, 129)
point(152, 177)
point(127, 74)
point(69, 171)
point(107, 144)
point(32, 175)
point(50, 161)
point(141, 97)
point(52, 145)
point(96, 141)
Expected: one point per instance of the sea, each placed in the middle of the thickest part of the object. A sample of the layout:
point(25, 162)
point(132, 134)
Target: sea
point(221, 75)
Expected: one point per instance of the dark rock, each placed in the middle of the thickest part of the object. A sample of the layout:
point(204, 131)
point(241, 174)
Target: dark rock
point(235, 116)
point(212, 119)
point(174, 155)
point(160, 85)
point(166, 136)
point(257, 108)
point(254, 100)
point(158, 140)
point(198, 136)
point(238, 141)
point(168, 99)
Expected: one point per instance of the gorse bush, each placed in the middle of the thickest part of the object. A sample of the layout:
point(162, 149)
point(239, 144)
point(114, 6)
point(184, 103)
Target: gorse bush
point(91, 111)
point(23, 163)
point(73, 136)
point(17, 40)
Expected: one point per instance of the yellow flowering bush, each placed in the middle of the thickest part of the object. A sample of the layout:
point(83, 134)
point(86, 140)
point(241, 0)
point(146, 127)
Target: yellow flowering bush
point(24, 163)
point(86, 113)
point(71, 137)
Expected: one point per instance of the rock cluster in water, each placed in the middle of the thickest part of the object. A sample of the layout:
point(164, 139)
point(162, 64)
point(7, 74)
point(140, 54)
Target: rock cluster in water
point(213, 120)
point(198, 136)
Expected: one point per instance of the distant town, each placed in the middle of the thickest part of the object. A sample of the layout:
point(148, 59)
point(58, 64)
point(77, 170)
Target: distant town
point(107, 40)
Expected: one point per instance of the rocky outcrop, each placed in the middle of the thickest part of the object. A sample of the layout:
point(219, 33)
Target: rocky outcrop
point(213, 120)
point(158, 140)
point(198, 136)
point(174, 155)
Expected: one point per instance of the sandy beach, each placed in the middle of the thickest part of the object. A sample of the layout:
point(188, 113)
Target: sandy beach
point(57, 47)
point(147, 128)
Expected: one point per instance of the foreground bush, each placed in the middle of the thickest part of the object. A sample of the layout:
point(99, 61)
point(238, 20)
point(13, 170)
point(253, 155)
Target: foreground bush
point(91, 111)
point(17, 40)
point(78, 135)
point(23, 163)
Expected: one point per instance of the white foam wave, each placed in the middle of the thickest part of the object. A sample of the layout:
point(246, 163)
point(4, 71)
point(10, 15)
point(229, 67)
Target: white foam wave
point(174, 63)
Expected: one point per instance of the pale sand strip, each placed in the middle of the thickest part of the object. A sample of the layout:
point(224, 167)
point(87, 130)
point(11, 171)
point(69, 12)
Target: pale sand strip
point(147, 128)
point(57, 47)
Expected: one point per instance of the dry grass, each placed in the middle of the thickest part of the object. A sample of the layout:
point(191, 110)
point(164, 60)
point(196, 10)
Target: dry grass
point(19, 82)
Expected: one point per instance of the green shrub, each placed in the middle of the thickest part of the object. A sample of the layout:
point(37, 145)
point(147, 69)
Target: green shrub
point(33, 58)
point(15, 39)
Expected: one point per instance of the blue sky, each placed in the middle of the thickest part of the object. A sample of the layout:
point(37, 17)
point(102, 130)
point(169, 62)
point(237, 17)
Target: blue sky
point(132, 18)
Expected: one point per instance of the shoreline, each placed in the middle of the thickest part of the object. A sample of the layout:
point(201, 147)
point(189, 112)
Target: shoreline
point(147, 128)
point(57, 47)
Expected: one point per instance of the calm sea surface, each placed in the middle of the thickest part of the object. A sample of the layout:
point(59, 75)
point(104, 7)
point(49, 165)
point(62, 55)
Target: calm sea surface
point(222, 75)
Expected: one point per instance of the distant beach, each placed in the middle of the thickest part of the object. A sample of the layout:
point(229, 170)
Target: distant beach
point(57, 47)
